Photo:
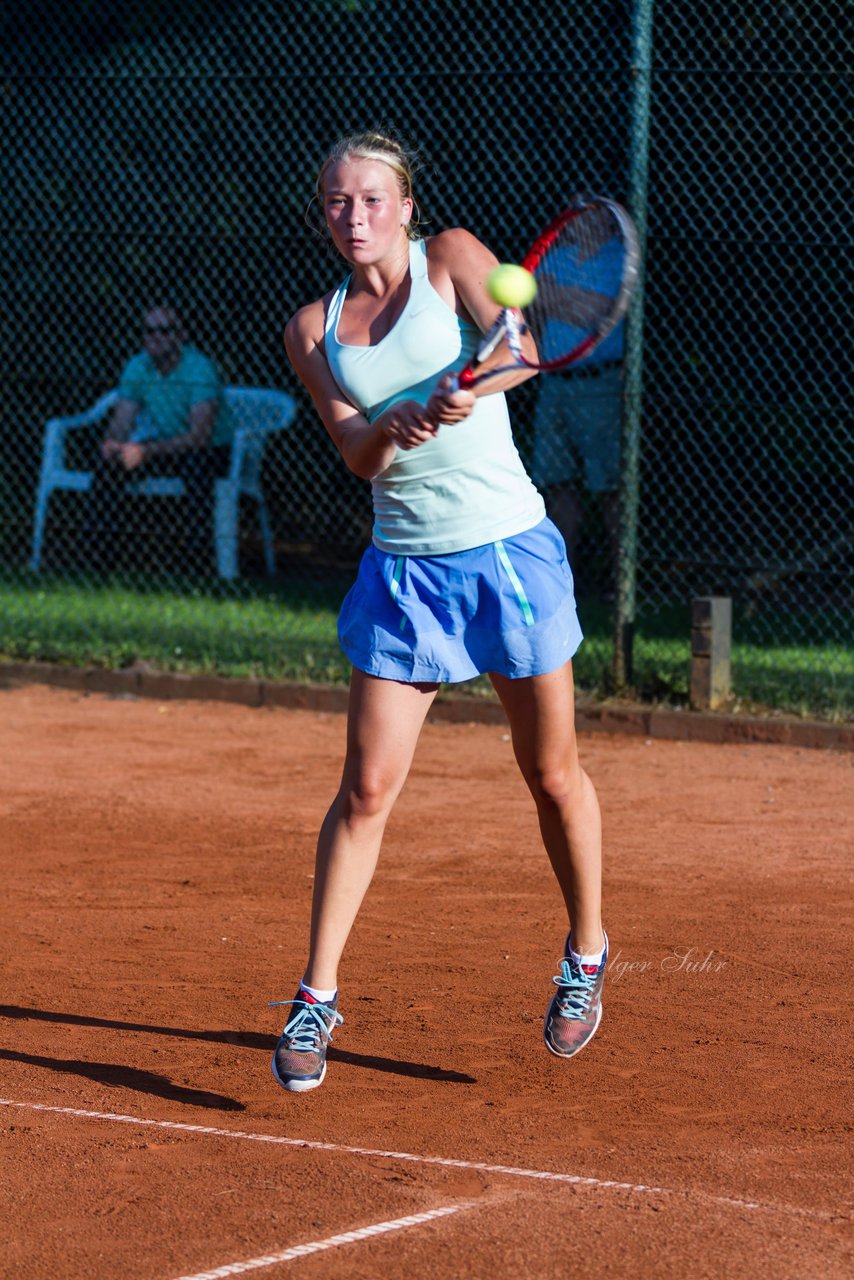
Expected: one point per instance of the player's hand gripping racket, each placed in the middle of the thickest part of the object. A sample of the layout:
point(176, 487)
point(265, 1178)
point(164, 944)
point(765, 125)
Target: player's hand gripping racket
point(585, 266)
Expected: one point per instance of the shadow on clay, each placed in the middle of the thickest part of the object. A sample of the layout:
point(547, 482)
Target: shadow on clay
point(118, 1076)
point(248, 1039)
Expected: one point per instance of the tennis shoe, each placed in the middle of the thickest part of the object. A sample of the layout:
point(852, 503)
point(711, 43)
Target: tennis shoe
point(299, 1059)
point(575, 1010)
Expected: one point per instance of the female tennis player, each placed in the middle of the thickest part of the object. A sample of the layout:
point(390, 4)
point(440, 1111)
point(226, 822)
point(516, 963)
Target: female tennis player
point(464, 574)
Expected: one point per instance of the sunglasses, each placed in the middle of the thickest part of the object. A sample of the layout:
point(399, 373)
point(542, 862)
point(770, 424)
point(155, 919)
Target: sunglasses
point(158, 330)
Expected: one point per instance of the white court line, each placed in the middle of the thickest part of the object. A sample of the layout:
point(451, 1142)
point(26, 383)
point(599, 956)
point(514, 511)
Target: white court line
point(507, 1170)
point(574, 1178)
point(332, 1242)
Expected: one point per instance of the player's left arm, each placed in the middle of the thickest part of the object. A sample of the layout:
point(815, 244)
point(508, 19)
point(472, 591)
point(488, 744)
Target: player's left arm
point(459, 265)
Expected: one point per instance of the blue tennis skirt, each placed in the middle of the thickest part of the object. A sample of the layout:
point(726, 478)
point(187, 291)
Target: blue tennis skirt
point(507, 607)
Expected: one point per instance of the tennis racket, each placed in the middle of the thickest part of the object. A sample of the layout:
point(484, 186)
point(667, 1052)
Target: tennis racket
point(585, 264)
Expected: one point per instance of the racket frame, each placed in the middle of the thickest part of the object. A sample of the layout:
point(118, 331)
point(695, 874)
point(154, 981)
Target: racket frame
point(510, 323)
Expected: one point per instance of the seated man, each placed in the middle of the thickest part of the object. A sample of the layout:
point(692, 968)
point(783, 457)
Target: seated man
point(170, 419)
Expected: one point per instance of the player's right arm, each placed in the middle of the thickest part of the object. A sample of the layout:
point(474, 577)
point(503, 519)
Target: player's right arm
point(366, 447)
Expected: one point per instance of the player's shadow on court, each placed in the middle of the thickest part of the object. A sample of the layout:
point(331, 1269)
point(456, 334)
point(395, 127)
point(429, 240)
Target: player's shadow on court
point(249, 1039)
point(420, 1070)
point(122, 1077)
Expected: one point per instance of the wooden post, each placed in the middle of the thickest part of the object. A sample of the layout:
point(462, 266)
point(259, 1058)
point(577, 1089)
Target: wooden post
point(711, 647)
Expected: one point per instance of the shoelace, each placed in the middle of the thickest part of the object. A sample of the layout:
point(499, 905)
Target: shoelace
point(575, 988)
point(309, 1024)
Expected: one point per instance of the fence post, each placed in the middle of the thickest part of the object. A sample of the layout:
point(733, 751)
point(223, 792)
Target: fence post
point(711, 649)
point(625, 605)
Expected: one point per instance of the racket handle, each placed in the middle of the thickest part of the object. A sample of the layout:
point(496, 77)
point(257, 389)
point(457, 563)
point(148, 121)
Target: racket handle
point(463, 380)
point(496, 335)
point(500, 330)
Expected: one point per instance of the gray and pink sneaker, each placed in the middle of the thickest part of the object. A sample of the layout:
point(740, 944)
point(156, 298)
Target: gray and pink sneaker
point(575, 1010)
point(299, 1059)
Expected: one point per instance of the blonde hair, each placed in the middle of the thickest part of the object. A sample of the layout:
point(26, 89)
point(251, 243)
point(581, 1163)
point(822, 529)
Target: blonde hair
point(373, 146)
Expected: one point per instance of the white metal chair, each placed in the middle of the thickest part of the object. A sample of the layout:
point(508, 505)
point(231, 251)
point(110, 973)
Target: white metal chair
point(256, 412)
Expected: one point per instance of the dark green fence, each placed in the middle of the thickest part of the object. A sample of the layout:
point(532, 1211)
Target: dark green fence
point(154, 151)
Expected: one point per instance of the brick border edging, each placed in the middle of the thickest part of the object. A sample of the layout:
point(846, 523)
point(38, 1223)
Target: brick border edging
point(649, 722)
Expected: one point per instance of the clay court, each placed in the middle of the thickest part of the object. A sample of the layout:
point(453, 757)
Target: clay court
point(157, 870)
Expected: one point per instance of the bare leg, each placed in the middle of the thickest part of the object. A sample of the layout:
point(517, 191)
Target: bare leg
point(541, 711)
point(383, 725)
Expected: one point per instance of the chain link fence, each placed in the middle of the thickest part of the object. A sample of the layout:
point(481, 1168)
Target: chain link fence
point(164, 155)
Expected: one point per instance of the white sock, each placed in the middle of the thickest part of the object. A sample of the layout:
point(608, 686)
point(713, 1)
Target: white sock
point(595, 959)
point(319, 994)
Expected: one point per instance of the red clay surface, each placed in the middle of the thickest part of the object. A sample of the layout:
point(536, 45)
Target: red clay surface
point(156, 863)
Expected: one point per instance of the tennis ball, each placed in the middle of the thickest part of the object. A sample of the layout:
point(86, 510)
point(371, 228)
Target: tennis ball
point(511, 286)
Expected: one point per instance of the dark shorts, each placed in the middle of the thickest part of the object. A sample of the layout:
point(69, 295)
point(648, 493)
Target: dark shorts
point(577, 430)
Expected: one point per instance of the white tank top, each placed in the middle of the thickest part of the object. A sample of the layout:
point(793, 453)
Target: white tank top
point(465, 487)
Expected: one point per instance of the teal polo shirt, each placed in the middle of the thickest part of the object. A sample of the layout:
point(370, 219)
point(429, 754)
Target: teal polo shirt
point(166, 399)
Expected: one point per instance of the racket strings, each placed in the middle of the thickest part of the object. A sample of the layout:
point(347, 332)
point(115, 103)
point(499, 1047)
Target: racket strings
point(580, 280)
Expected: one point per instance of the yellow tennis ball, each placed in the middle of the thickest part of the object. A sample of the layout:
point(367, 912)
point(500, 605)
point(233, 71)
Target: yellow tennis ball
point(511, 286)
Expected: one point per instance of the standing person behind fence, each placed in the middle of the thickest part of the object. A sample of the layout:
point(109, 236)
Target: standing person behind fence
point(577, 447)
point(170, 419)
point(464, 575)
